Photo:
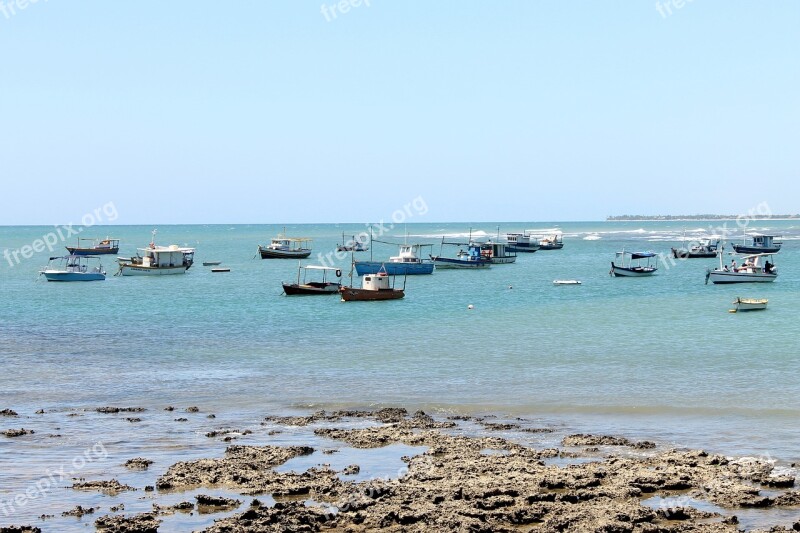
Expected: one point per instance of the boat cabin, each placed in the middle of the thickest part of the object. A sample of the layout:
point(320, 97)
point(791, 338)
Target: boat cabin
point(376, 282)
point(409, 253)
point(166, 256)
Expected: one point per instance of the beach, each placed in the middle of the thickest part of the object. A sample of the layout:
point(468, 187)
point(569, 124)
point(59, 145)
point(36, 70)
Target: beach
point(389, 469)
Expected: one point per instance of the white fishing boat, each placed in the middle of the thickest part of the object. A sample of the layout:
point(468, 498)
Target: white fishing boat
point(750, 304)
point(522, 242)
point(157, 260)
point(631, 270)
point(498, 253)
point(73, 268)
point(754, 268)
point(566, 282)
point(470, 258)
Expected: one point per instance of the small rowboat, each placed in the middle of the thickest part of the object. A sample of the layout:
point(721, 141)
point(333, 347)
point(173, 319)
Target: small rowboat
point(749, 304)
point(211, 263)
point(566, 282)
point(220, 270)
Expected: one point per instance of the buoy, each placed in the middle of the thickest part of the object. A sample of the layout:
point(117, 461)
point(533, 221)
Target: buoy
point(510, 287)
point(470, 306)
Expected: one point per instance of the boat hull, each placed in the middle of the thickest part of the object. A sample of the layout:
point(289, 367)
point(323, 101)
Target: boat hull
point(632, 272)
point(522, 248)
point(310, 289)
point(73, 276)
point(448, 262)
point(750, 304)
point(722, 277)
point(351, 294)
point(393, 269)
point(743, 249)
point(137, 270)
point(73, 250)
point(555, 246)
point(266, 253)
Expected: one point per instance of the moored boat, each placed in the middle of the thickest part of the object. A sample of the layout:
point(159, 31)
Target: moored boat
point(406, 262)
point(282, 247)
point(157, 260)
point(498, 253)
point(750, 304)
point(554, 241)
point(306, 287)
point(521, 242)
point(374, 287)
point(755, 268)
point(631, 270)
point(704, 248)
point(97, 247)
point(74, 268)
point(352, 245)
point(759, 244)
point(469, 259)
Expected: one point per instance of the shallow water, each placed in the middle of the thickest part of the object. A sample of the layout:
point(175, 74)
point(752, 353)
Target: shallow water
point(656, 358)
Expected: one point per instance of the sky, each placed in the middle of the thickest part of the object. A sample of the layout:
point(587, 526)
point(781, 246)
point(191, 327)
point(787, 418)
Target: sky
point(299, 111)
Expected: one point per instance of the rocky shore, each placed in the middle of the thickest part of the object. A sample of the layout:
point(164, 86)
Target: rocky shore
point(590, 483)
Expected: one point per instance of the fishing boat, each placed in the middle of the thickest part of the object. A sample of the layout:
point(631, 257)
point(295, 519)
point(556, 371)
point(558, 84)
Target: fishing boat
point(631, 270)
point(351, 245)
point(97, 246)
point(750, 304)
point(755, 268)
point(759, 244)
point(554, 241)
point(406, 262)
point(306, 287)
point(703, 248)
point(282, 247)
point(373, 287)
point(469, 259)
point(521, 242)
point(157, 260)
point(498, 253)
point(73, 268)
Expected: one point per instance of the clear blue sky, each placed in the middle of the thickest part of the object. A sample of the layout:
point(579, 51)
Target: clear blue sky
point(271, 112)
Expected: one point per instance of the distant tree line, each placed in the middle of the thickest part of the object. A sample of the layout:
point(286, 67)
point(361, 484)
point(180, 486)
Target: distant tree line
point(696, 217)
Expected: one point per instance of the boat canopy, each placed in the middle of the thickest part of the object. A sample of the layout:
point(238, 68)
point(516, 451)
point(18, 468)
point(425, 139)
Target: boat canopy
point(642, 255)
point(318, 267)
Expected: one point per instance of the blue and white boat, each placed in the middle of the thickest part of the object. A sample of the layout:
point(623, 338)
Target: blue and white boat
point(630, 270)
point(521, 242)
point(469, 259)
point(407, 262)
point(74, 268)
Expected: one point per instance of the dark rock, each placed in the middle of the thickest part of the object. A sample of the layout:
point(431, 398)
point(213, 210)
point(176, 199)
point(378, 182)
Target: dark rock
point(8, 412)
point(138, 463)
point(140, 523)
point(16, 432)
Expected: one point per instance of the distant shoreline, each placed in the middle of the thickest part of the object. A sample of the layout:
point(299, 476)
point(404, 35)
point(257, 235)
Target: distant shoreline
point(644, 218)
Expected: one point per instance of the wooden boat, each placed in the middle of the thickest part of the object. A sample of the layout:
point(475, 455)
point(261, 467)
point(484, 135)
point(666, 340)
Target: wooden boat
point(521, 242)
point(750, 304)
point(286, 248)
point(98, 247)
point(755, 268)
point(157, 260)
point(74, 268)
point(313, 287)
point(704, 248)
point(211, 263)
point(628, 269)
point(498, 253)
point(470, 259)
point(759, 244)
point(352, 245)
point(373, 287)
point(406, 263)
point(553, 241)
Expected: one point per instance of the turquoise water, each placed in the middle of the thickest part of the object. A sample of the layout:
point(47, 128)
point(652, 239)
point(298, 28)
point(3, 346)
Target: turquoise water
point(656, 357)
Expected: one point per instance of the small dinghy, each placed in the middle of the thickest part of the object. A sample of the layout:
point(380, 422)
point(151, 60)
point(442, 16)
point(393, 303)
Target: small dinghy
point(566, 282)
point(749, 304)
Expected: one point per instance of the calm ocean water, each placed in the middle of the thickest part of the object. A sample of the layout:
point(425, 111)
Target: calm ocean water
point(659, 357)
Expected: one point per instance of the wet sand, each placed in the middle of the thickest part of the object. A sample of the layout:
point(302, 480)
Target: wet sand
point(392, 470)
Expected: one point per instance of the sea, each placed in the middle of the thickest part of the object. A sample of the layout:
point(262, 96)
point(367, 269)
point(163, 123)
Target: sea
point(660, 358)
